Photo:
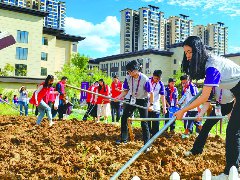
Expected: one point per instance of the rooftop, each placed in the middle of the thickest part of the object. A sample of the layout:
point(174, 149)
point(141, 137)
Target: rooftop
point(13, 79)
point(24, 10)
point(231, 55)
point(131, 54)
point(61, 35)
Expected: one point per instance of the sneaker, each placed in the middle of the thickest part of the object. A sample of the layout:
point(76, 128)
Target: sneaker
point(185, 136)
point(51, 123)
point(118, 142)
point(188, 153)
point(147, 150)
point(222, 176)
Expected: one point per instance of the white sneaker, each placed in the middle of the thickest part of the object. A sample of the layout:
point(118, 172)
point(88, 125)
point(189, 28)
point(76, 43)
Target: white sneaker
point(222, 176)
point(51, 123)
point(187, 153)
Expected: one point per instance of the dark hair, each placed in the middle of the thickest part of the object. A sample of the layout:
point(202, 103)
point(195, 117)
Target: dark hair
point(133, 65)
point(100, 87)
point(115, 76)
point(64, 78)
point(49, 77)
point(157, 73)
point(184, 77)
point(196, 67)
point(171, 80)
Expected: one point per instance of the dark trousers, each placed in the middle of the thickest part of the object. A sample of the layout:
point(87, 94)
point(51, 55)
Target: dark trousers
point(172, 126)
point(188, 124)
point(61, 110)
point(115, 107)
point(153, 125)
point(207, 126)
point(87, 112)
point(127, 112)
point(233, 134)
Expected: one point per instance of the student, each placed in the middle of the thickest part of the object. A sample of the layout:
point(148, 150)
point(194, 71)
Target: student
point(225, 99)
point(171, 95)
point(216, 71)
point(37, 99)
point(139, 86)
point(15, 100)
point(103, 104)
point(189, 90)
point(116, 89)
point(89, 100)
point(60, 87)
point(23, 100)
point(158, 93)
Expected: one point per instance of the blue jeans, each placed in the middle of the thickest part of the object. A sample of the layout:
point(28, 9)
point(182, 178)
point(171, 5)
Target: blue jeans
point(25, 105)
point(42, 108)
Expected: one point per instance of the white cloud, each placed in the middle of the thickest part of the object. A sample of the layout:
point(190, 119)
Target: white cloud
point(230, 7)
point(99, 37)
point(234, 49)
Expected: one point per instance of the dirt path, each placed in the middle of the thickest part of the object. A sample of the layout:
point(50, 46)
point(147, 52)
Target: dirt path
point(86, 150)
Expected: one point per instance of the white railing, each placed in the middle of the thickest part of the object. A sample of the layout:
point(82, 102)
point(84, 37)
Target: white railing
point(207, 175)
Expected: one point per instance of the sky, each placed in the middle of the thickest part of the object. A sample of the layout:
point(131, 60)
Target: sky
point(99, 20)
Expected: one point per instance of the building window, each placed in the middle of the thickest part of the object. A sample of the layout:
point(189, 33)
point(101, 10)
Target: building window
point(21, 53)
point(74, 47)
point(20, 70)
point(44, 41)
point(43, 71)
point(174, 72)
point(22, 36)
point(174, 61)
point(44, 56)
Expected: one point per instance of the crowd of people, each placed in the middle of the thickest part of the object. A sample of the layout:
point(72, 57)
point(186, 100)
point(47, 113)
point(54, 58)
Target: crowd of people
point(220, 96)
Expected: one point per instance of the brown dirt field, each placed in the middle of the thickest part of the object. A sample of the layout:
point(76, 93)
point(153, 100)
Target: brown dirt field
point(86, 150)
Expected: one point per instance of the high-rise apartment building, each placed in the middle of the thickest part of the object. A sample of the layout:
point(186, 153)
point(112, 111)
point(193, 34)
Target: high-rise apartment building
point(215, 36)
point(142, 29)
point(55, 8)
point(178, 29)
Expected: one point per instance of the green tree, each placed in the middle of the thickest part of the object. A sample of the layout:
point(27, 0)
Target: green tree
point(77, 72)
point(80, 61)
point(7, 70)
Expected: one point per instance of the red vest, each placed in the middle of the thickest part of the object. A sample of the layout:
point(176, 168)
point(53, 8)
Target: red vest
point(114, 86)
point(89, 95)
point(44, 92)
point(102, 100)
point(62, 89)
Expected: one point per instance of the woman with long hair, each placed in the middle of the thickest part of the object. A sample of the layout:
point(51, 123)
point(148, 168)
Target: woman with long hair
point(37, 99)
point(216, 71)
point(103, 104)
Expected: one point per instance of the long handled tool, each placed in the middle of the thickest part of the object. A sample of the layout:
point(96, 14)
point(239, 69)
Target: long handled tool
point(137, 154)
point(107, 97)
point(12, 106)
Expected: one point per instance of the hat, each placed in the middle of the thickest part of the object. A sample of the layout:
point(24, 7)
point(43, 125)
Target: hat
point(171, 80)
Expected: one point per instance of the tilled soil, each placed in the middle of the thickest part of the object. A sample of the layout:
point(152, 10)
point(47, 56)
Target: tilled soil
point(86, 150)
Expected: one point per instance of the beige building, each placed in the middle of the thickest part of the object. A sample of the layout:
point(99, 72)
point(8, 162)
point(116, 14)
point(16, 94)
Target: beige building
point(142, 29)
point(214, 35)
point(167, 61)
point(38, 51)
point(178, 28)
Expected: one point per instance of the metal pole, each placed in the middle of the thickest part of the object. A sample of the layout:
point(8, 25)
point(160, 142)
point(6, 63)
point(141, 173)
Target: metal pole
point(107, 97)
point(185, 118)
point(137, 154)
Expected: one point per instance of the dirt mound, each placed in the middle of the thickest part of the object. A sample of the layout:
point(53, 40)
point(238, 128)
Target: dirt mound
point(86, 150)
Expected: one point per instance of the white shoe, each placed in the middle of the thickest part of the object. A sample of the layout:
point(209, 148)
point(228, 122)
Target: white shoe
point(187, 153)
point(222, 176)
point(51, 123)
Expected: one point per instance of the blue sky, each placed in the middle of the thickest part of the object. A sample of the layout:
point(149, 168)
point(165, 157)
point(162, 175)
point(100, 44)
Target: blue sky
point(99, 20)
